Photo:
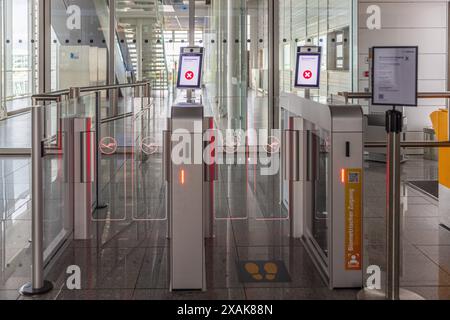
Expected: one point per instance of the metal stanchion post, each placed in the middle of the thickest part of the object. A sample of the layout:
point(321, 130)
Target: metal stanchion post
point(38, 285)
point(394, 127)
point(98, 153)
point(307, 93)
point(148, 93)
point(167, 171)
point(74, 94)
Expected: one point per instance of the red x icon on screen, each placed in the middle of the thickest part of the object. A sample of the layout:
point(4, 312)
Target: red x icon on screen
point(189, 75)
point(307, 74)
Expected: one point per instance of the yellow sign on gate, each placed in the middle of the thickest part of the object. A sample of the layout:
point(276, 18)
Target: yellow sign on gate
point(353, 219)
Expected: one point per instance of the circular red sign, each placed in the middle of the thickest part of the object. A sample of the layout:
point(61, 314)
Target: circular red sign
point(189, 75)
point(307, 74)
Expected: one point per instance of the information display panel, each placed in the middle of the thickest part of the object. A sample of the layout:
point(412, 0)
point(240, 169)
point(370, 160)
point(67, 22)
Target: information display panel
point(394, 76)
point(190, 68)
point(307, 71)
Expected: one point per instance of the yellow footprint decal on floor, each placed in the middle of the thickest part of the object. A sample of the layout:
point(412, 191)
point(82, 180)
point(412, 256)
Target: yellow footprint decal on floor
point(253, 269)
point(271, 271)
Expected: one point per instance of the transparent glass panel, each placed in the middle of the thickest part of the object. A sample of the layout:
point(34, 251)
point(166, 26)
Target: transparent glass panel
point(15, 213)
point(327, 24)
point(321, 161)
point(80, 42)
point(236, 91)
point(130, 146)
point(18, 37)
point(69, 132)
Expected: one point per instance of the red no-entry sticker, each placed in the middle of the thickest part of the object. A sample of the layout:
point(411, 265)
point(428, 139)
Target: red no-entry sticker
point(307, 74)
point(189, 75)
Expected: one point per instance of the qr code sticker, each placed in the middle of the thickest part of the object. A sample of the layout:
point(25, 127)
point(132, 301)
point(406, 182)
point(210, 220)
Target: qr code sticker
point(353, 177)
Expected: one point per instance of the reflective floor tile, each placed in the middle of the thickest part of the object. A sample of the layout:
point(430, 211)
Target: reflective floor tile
point(211, 294)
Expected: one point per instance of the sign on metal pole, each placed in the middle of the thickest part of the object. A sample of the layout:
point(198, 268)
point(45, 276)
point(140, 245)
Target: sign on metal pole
point(394, 76)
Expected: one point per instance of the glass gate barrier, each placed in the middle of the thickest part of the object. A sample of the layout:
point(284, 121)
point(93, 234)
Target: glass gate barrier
point(130, 146)
point(69, 131)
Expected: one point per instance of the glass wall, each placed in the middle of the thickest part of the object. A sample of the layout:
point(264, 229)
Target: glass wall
point(325, 23)
point(80, 42)
point(236, 64)
point(19, 64)
point(174, 40)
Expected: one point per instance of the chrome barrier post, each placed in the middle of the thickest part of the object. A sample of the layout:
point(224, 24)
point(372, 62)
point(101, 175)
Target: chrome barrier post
point(98, 153)
point(291, 145)
point(167, 171)
point(307, 93)
point(394, 123)
point(38, 285)
point(394, 128)
point(148, 92)
point(211, 175)
point(74, 94)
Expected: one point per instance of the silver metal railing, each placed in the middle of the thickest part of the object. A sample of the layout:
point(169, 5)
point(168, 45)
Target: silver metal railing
point(420, 95)
point(38, 284)
point(367, 95)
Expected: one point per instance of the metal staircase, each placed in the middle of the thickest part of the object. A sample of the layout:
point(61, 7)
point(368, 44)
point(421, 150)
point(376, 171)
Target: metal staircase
point(140, 21)
point(157, 70)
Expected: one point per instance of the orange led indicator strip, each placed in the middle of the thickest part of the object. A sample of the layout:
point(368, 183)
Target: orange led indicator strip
point(182, 177)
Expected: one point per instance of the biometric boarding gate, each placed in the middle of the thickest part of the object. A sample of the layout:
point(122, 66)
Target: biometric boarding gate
point(323, 173)
point(189, 191)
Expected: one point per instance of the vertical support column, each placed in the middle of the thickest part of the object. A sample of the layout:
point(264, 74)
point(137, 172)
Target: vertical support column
point(8, 34)
point(38, 285)
point(191, 23)
point(98, 154)
point(139, 44)
point(274, 86)
point(233, 101)
point(3, 110)
point(111, 56)
point(222, 46)
point(190, 92)
point(254, 48)
point(44, 46)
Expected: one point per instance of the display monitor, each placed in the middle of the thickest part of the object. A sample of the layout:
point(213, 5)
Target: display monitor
point(307, 73)
point(190, 69)
point(394, 76)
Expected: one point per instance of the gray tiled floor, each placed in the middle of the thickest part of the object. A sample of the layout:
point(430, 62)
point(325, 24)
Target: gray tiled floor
point(128, 257)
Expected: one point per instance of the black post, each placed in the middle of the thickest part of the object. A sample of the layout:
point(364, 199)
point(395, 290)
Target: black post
point(394, 126)
point(98, 153)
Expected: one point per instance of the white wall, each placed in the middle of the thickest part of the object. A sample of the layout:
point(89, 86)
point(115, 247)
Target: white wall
point(81, 66)
point(422, 23)
point(312, 19)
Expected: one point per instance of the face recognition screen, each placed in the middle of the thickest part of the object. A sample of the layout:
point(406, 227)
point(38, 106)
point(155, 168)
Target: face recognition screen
point(190, 71)
point(395, 76)
point(307, 70)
